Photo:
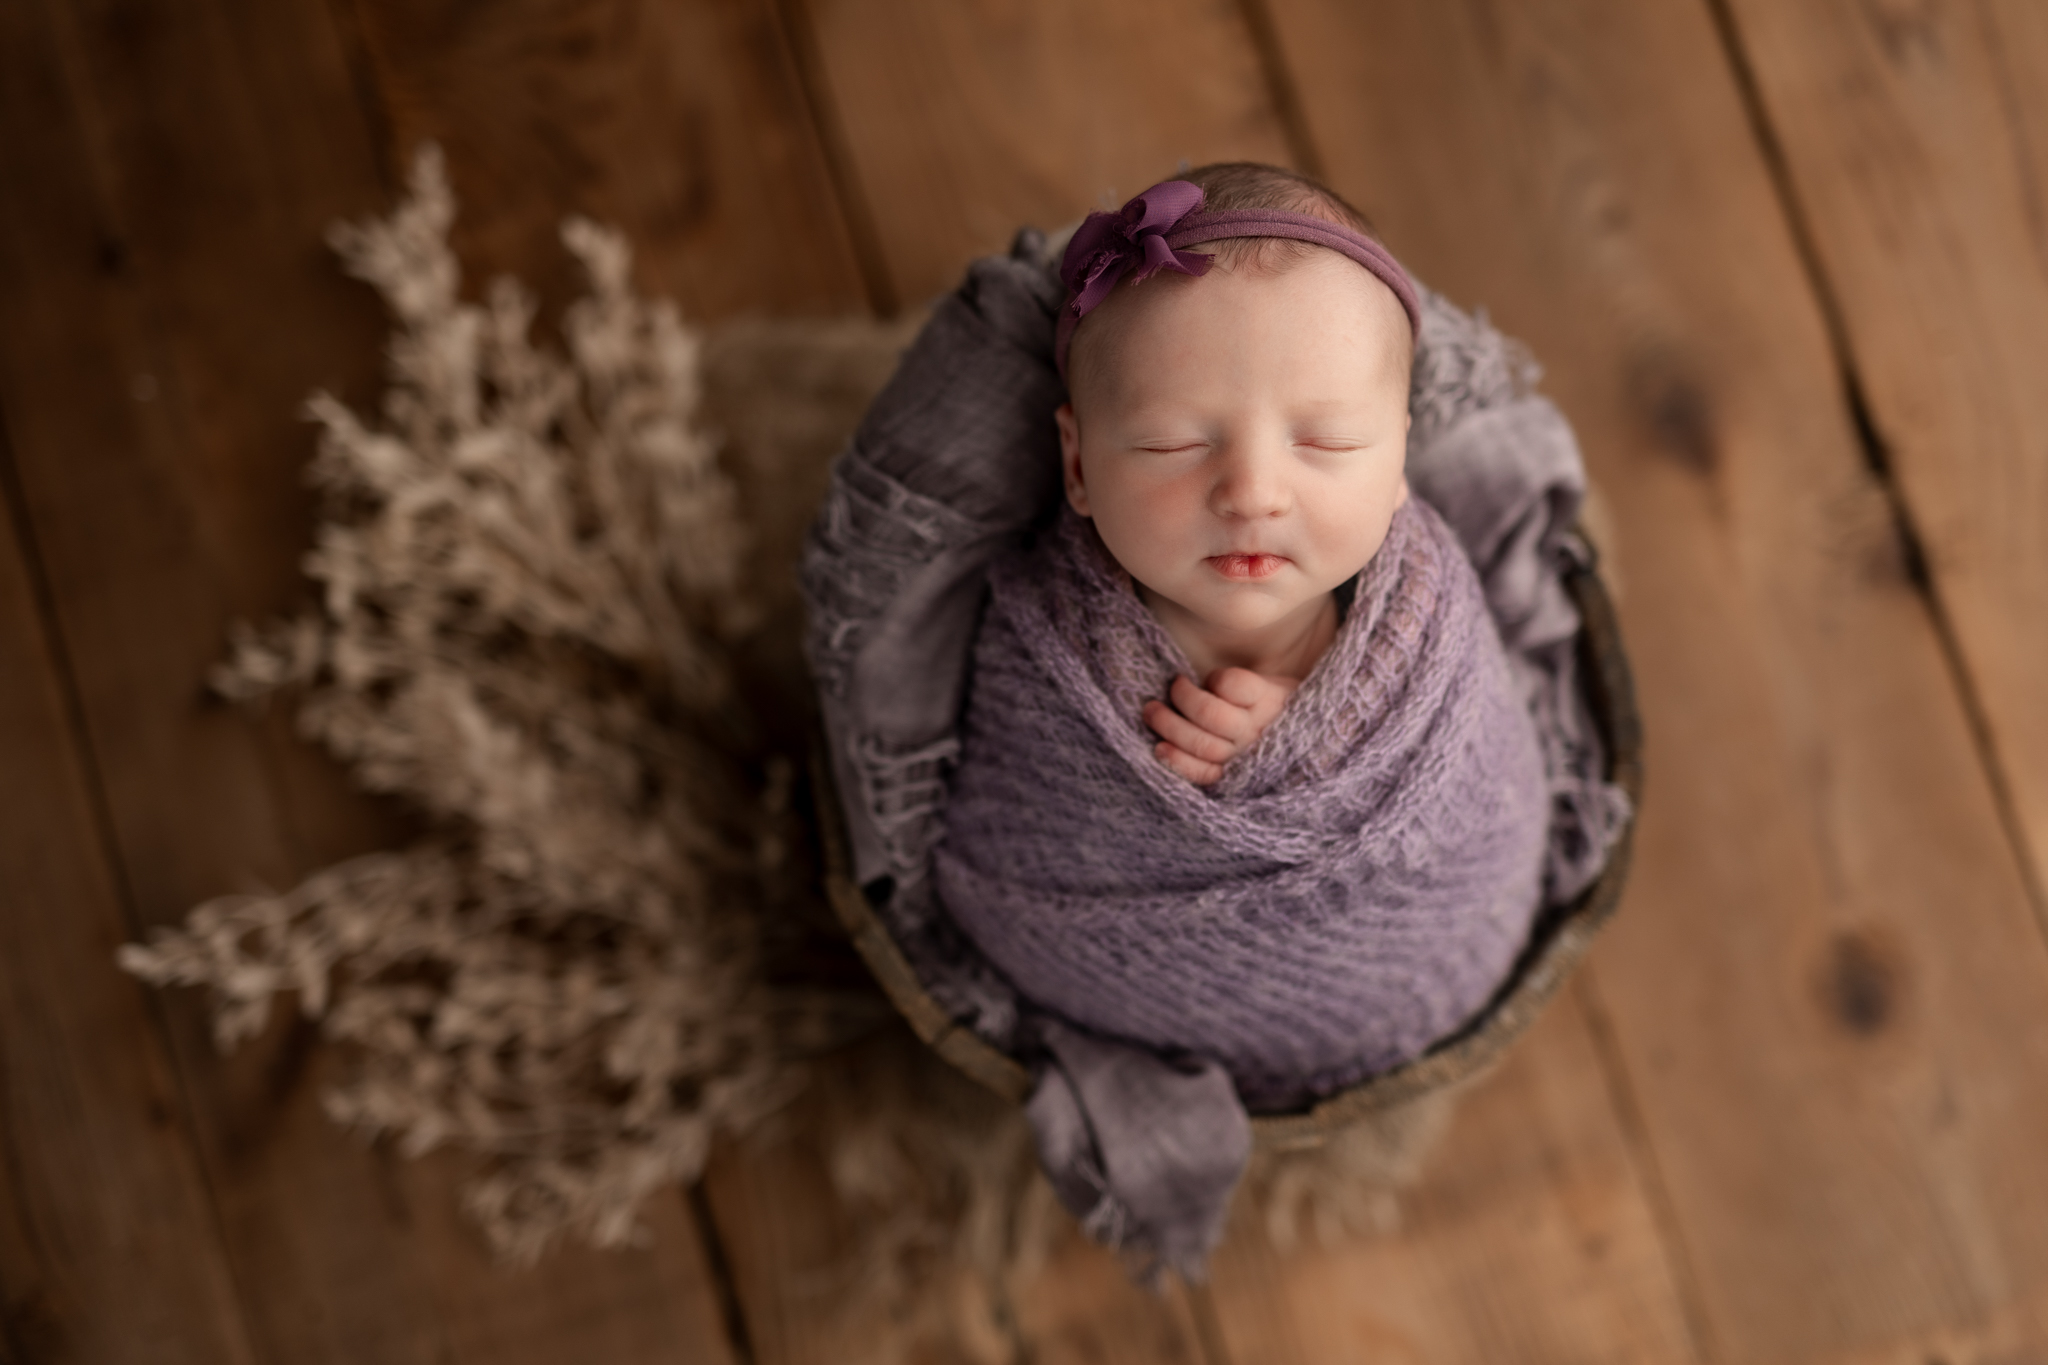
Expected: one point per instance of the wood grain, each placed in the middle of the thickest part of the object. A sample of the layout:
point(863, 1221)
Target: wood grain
point(1082, 1308)
point(654, 1303)
point(2011, 1336)
point(1916, 137)
point(789, 1241)
point(1827, 990)
point(1826, 994)
point(135, 515)
point(1528, 1239)
point(102, 1199)
point(683, 125)
point(170, 304)
point(800, 1267)
point(800, 1254)
point(966, 120)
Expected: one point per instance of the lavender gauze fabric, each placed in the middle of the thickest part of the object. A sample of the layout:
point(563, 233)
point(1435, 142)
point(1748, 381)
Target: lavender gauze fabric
point(954, 469)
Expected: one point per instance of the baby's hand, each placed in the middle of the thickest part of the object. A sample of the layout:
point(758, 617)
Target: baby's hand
point(1207, 727)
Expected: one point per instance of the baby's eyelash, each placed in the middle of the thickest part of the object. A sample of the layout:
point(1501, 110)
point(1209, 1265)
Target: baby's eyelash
point(1333, 444)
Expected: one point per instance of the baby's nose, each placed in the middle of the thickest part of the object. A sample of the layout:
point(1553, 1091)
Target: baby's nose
point(1250, 482)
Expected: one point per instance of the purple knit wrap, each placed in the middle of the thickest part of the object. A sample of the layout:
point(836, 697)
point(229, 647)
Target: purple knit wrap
point(1354, 888)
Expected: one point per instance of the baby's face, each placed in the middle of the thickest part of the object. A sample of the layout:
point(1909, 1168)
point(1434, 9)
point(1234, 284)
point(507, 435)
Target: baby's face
point(1238, 438)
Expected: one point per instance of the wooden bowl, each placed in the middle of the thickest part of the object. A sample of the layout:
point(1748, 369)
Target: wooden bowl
point(1558, 941)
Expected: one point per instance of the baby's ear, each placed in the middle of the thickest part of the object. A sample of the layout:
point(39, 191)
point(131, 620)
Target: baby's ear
point(1070, 458)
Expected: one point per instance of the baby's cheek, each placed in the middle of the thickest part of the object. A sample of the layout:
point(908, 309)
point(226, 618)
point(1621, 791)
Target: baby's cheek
point(1362, 541)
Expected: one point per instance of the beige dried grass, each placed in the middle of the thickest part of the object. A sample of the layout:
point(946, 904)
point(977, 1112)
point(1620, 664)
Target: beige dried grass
point(530, 592)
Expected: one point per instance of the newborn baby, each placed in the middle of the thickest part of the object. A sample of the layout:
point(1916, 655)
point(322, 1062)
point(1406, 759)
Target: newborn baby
point(1218, 790)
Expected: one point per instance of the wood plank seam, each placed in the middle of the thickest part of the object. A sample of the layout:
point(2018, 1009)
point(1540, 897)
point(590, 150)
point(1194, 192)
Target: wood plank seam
point(1301, 143)
point(1656, 1190)
point(1876, 452)
point(1208, 1325)
point(718, 1266)
point(50, 626)
point(1003, 1312)
point(385, 152)
point(16, 498)
point(799, 38)
point(21, 1311)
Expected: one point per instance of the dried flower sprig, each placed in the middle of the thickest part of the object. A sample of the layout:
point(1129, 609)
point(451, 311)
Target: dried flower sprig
point(529, 581)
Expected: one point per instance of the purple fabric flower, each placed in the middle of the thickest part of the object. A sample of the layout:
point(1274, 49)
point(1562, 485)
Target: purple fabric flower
point(1108, 246)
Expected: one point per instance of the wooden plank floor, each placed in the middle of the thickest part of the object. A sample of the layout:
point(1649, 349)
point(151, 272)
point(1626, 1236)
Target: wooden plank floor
point(1786, 264)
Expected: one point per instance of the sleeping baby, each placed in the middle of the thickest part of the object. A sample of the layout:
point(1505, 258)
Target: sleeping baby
point(1244, 797)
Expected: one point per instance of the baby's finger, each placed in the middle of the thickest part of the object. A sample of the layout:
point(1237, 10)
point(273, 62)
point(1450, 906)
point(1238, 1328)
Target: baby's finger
point(1184, 734)
point(1195, 770)
point(1211, 712)
point(1242, 687)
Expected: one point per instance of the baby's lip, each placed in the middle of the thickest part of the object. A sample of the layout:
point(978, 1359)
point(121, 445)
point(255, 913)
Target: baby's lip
point(1247, 566)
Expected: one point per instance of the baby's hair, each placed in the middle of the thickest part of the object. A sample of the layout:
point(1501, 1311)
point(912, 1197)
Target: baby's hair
point(1228, 185)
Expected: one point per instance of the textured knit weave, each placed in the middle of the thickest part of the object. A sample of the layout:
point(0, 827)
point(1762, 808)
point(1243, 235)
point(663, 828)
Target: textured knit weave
point(1354, 888)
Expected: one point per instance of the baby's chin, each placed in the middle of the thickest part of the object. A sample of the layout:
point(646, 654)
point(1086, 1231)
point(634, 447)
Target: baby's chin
point(1238, 608)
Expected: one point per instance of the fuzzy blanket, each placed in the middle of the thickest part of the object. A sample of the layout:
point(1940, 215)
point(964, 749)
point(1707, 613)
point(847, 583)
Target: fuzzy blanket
point(954, 468)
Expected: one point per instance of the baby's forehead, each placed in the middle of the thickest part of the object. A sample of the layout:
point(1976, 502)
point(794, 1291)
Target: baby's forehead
point(1319, 307)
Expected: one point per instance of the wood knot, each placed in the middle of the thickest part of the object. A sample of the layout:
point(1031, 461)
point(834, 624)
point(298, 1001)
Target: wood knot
point(1674, 410)
point(1862, 982)
point(1908, 31)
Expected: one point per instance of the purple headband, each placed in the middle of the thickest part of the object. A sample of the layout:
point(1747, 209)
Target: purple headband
point(1148, 233)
